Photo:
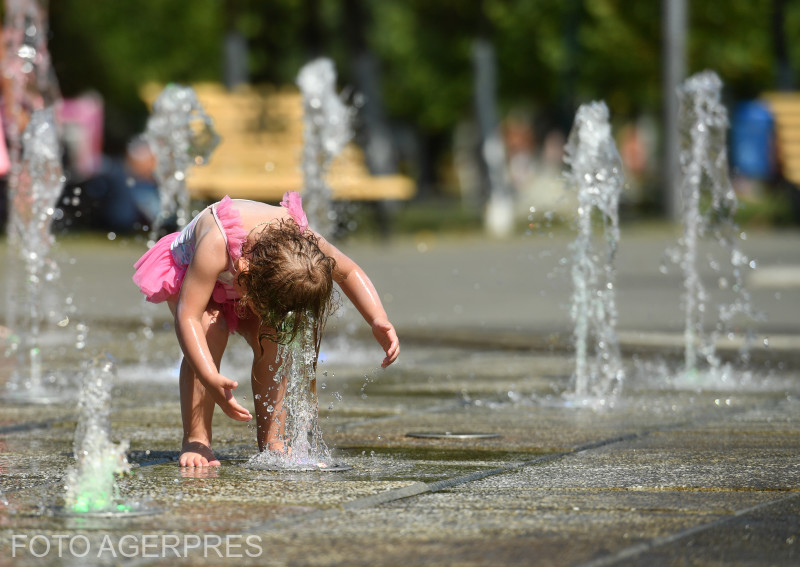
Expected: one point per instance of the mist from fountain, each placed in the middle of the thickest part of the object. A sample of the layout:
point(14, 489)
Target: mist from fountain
point(326, 131)
point(180, 134)
point(595, 173)
point(709, 206)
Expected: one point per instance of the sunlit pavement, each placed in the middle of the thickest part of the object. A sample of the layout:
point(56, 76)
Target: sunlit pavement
point(679, 470)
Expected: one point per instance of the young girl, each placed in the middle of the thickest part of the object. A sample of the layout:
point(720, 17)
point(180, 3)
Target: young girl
point(256, 269)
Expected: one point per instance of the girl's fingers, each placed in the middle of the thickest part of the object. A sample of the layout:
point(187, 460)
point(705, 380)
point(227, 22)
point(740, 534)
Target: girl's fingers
point(231, 407)
point(391, 354)
point(237, 412)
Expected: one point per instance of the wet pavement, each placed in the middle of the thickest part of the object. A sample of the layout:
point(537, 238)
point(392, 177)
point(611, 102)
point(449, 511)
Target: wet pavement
point(679, 471)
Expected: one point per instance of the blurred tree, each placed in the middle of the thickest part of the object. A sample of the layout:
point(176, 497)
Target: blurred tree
point(735, 41)
point(552, 54)
point(426, 49)
point(115, 47)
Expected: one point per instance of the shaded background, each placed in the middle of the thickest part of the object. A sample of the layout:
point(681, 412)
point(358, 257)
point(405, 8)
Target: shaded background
point(410, 68)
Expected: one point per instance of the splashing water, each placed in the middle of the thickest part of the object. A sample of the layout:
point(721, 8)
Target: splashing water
point(326, 132)
point(30, 85)
point(180, 134)
point(91, 485)
point(596, 175)
point(30, 79)
point(302, 435)
point(709, 205)
point(39, 185)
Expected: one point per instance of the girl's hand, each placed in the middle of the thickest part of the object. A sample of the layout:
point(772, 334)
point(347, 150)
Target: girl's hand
point(221, 390)
point(386, 336)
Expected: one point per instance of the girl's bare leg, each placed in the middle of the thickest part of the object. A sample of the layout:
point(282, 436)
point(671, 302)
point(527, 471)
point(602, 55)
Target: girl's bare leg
point(267, 392)
point(197, 406)
point(270, 413)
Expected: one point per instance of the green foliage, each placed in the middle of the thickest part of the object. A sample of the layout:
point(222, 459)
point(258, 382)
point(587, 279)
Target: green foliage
point(119, 45)
point(425, 48)
point(622, 54)
point(114, 47)
point(743, 55)
point(552, 54)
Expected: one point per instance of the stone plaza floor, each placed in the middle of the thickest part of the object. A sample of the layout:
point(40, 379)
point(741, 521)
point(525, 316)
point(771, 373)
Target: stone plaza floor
point(678, 470)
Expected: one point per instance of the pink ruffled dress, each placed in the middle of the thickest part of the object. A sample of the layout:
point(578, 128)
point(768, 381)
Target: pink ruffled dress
point(160, 271)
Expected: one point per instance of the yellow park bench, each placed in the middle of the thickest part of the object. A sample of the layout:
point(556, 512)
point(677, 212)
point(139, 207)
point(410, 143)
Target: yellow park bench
point(259, 155)
point(785, 109)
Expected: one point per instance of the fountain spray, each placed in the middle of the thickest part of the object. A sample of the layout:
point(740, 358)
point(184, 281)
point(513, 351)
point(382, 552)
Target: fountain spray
point(39, 185)
point(29, 85)
point(709, 205)
point(326, 132)
point(91, 486)
point(28, 75)
point(180, 134)
point(299, 409)
point(596, 175)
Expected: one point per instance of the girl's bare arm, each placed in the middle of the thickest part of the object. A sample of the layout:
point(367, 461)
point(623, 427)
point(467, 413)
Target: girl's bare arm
point(209, 260)
point(362, 293)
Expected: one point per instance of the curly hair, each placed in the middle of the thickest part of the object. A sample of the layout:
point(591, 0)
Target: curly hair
point(288, 282)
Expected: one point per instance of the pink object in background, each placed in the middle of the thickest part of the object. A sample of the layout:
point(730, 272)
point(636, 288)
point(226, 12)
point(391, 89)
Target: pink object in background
point(81, 121)
point(5, 163)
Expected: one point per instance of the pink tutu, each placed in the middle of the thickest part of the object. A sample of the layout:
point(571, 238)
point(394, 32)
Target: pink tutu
point(293, 203)
point(159, 276)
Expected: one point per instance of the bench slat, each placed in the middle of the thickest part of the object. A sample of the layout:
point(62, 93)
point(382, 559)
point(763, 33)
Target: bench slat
point(261, 131)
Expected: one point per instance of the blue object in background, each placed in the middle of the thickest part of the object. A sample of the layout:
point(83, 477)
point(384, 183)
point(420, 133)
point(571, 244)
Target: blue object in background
point(752, 140)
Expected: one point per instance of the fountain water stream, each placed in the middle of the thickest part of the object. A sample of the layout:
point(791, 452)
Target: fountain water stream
point(302, 434)
point(326, 132)
point(91, 486)
point(180, 134)
point(38, 187)
point(34, 184)
point(596, 175)
point(709, 205)
point(28, 75)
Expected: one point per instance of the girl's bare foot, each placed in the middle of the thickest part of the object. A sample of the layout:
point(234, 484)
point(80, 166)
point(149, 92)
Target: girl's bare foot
point(279, 447)
point(196, 454)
